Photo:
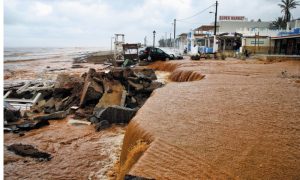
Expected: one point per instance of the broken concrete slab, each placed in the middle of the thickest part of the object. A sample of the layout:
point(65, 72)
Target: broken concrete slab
point(53, 116)
point(115, 114)
point(149, 73)
point(112, 96)
point(11, 114)
point(104, 124)
point(66, 81)
point(29, 125)
point(28, 151)
point(92, 90)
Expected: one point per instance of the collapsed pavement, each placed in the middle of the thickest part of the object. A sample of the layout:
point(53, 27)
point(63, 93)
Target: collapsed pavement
point(103, 98)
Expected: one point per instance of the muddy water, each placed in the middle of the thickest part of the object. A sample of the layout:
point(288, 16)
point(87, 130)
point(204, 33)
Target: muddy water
point(240, 122)
point(78, 152)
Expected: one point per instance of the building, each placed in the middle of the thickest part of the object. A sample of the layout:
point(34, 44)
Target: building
point(182, 41)
point(288, 42)
point(231, 24)
point(236, 33)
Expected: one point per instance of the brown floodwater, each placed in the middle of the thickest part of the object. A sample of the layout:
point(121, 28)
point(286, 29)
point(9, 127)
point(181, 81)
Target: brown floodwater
point(223, 119)
point(242, 121)
point(78, 152)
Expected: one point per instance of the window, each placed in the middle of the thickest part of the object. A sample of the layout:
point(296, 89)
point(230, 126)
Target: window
point(159, 51)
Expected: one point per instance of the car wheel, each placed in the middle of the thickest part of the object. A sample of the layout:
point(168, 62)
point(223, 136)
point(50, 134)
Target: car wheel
point(172, 56)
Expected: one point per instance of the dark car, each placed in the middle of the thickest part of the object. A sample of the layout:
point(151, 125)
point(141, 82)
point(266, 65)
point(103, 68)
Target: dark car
point(153, 54)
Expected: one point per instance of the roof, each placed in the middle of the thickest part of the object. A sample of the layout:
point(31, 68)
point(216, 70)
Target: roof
point(205, 28)
point(183, 34)
point(286, 37)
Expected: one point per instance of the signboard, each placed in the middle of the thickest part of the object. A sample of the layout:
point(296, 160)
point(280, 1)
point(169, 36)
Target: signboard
point(258, 42)
point(231, 18)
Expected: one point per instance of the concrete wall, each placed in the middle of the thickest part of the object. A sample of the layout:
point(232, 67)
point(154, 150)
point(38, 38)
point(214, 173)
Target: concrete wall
point(293, 24)
point(263, 45)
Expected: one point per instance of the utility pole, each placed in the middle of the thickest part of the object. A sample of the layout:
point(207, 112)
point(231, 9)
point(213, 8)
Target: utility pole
point(170, 45)
point(215, 46)
point(216, 16)
point(154, 38)
point(174, 31)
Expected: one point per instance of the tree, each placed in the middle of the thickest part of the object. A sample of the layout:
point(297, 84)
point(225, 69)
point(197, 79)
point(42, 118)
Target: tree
point(279, 23)
point(286, 6)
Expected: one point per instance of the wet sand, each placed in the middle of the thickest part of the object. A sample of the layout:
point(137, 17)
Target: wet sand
point(240, 122)
point(44, 69)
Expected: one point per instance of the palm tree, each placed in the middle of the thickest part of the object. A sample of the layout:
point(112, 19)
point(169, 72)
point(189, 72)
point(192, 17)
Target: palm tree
point(279, 23)
point(286, 6)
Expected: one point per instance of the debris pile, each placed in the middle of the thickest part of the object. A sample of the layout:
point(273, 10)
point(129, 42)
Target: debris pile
point(29, 151)
point(102, 98)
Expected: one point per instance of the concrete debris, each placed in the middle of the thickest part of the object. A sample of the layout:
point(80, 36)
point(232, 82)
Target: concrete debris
point(54, 116)
point(29, 151)
point(11, 114)
point(115, 114)
point(27, 126)
point(105, 97)
point(104, 124)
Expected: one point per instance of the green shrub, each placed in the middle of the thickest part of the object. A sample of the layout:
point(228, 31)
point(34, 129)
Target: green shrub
point(223, 56)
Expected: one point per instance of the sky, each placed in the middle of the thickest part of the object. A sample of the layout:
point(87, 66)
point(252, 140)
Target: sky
point(92, 23)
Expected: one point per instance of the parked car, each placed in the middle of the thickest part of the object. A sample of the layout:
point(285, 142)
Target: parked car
point(174, 53)
point(153, 54)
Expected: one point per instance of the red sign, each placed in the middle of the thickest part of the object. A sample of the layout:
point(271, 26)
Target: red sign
point(232, 18)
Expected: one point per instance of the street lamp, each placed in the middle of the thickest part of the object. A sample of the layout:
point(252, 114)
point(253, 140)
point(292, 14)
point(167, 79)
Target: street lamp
point(154, 38)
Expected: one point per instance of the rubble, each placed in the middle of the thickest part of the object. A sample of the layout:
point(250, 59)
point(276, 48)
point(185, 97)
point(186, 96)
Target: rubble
point(29, 125)
point(114, 114)
point(11, 114)
point(104, 98)
point(104, 124)
point(53, 116)
point(28, 151)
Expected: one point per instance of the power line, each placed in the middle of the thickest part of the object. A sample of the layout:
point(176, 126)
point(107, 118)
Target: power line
point(197, 13)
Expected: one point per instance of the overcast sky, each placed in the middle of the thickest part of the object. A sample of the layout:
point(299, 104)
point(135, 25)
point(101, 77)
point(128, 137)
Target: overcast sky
point(60, 23)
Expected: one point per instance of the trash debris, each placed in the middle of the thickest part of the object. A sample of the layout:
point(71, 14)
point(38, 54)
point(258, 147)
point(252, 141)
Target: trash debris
point(29, 151)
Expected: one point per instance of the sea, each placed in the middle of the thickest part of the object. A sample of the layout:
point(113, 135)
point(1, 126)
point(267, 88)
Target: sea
point(44, 53)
